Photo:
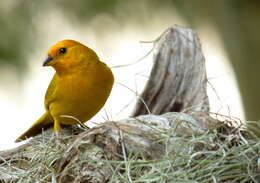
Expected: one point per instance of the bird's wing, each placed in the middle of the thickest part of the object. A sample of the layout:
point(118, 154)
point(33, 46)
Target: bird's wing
point(50, 95)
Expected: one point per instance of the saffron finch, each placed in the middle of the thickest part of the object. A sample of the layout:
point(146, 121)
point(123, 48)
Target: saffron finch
point(78, 90)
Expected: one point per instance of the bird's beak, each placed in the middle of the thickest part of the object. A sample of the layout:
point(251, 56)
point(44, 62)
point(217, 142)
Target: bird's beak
point(47, 61)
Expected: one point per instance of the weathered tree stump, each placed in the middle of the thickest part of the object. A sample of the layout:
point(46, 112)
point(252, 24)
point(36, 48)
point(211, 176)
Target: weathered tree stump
point(177, 85)
point(178, 81)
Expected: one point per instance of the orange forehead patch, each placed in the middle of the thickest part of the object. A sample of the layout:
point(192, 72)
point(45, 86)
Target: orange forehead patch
point(62, 44)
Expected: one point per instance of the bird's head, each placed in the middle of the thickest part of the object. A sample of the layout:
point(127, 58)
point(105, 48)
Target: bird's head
point(68, 54)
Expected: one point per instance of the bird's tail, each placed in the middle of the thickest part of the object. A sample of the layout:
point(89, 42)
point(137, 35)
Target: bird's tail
point(43, 122)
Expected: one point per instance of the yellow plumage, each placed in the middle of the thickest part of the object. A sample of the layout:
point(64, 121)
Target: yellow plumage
point(78, 90)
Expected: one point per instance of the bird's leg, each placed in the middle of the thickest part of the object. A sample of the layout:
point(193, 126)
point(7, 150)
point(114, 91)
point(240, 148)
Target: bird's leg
point(56, 129)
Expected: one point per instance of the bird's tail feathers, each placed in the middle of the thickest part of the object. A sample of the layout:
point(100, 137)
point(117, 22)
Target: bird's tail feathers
point(43, 122)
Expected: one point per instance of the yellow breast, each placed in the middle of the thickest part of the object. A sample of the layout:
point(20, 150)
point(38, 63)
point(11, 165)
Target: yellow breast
point(81, 95)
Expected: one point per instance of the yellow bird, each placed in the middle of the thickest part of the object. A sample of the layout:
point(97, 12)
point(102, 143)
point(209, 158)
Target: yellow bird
point(78, 90)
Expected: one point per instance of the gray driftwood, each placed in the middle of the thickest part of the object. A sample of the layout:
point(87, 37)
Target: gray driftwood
point(177, 84)
point(178, 80)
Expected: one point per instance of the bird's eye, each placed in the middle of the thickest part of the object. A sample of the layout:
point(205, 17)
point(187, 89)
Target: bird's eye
point(62, 50)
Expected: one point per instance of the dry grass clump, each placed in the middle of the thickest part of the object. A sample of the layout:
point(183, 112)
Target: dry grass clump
point(220, 154)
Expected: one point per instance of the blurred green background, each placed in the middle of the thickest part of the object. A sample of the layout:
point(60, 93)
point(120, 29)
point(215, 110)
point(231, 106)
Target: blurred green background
point(24, 29)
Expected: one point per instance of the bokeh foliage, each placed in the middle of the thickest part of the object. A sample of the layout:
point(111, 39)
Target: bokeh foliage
point(19, 21)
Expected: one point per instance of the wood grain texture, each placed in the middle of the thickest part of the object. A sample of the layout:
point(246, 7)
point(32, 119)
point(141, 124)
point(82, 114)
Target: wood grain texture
point(178, 80)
